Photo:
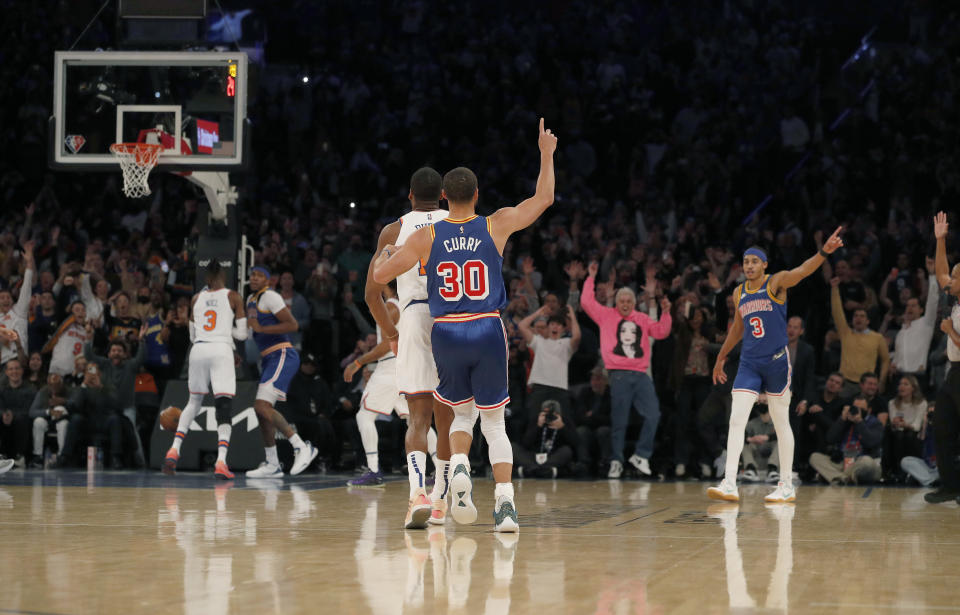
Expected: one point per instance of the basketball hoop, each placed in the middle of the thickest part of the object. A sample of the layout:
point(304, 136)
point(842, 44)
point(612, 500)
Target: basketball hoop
point(136, 161)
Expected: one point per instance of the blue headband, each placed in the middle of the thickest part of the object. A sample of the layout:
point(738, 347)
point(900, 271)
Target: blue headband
point(262, 270)
point(756, 252)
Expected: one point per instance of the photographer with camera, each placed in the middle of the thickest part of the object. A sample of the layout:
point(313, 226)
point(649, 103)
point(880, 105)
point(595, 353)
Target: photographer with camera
point(548, 443)
point(856, 437)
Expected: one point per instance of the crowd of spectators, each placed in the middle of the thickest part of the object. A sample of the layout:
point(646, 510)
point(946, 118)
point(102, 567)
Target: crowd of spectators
point(676, 120)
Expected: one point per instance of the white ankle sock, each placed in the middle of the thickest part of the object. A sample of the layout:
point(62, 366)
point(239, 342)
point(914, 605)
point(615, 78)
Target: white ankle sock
point(272, 457)
point(295, 441)
point(440, 483)
point(503, 489)
point(223, 435)
point(416, 462)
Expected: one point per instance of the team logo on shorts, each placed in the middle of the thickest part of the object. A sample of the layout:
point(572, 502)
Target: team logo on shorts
point(74, 142)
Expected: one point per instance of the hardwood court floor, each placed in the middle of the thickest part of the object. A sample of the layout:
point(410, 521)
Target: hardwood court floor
point(145, 543)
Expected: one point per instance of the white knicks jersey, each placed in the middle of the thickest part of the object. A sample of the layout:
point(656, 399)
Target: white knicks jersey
point(389, 354)
point(213, 316)
point(412, 285)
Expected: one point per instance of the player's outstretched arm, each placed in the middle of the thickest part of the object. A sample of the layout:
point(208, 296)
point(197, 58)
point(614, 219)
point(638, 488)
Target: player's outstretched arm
point(508, 220)
point(392, 261)
point(734, 337)
point(941, 266)
point(373, 291)
point(792, 277)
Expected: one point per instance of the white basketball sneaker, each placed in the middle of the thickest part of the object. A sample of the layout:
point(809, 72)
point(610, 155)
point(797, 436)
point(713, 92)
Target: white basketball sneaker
point(783, 494)
point(461, 490)
point(725, 491)
point(505, 515)
point(302, 458)
point(266, 470)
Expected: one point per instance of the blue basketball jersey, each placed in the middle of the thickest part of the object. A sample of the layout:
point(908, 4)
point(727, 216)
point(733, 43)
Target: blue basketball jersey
point(764, 321)
point(266, 341)
point(465, 270)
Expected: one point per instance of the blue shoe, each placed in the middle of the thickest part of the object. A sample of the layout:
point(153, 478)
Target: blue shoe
point(369, 479)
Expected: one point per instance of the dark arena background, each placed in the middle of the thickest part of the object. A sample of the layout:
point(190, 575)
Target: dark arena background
point(149, 142)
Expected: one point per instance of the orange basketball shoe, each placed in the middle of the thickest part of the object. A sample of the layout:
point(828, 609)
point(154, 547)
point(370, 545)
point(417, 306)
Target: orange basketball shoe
point(221, 471)
point(170, 462)
point(419, 512)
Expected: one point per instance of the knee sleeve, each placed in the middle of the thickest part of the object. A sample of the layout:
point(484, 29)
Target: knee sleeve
point(464, 418)
point(223, 407)
point(494, 430)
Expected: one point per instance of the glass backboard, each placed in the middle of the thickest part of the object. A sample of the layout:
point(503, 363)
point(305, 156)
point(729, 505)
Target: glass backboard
point(192, 103)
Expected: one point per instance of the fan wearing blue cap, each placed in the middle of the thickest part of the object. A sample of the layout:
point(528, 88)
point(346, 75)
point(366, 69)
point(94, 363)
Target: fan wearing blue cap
point(761, 302)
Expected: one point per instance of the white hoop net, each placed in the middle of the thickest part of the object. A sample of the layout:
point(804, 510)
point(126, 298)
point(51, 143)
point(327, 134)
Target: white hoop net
point(136, 161)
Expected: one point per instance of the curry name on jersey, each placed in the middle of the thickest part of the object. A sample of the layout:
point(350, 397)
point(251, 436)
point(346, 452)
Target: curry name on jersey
point(465, 270)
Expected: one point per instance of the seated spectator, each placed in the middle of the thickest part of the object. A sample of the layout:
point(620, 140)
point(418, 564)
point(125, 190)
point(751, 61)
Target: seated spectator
point(95, 417)
point(119, 373)
point(592, 417)
point(15, 398)
point(760, 449)
point(36, 371)
point(870, 389)
point(548, 444)
point(817, 417)
point(860, 348)
point(902, 436)
point(856, 437)
point(924, 469)
point(552, 352)
point(48, 411)
point(75, 378)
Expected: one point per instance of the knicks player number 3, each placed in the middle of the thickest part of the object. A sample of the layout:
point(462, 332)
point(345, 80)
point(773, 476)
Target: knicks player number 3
point(757, 324)
point(211, 324)
point(471, 279)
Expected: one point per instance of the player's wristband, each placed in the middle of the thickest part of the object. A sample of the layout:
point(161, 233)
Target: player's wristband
point(358, 364)
point(824, 253)
point(394, 336)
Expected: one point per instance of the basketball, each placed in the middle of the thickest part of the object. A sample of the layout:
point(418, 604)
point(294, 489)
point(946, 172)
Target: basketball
point(169, 418)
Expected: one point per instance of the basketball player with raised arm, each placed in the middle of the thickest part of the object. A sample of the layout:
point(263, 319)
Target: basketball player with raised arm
point(765, 363)
point(410, 340)
point(463, 259)
point(271, 322)
point(216, 319)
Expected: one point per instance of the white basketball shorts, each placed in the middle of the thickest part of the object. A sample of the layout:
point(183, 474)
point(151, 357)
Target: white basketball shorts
point(381, 394)
point(416, 369)
point(211, 369)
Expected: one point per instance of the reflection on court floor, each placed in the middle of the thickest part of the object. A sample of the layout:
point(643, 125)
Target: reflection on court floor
point(133, 542)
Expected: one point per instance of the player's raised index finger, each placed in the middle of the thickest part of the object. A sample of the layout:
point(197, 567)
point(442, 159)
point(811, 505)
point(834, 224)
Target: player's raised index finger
point(541, 125)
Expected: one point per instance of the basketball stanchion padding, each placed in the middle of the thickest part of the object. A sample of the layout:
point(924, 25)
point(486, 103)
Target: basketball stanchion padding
point(136, 162)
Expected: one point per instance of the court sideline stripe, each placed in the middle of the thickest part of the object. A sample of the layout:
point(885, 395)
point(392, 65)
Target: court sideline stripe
point(643, 516)
point(19, 612)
